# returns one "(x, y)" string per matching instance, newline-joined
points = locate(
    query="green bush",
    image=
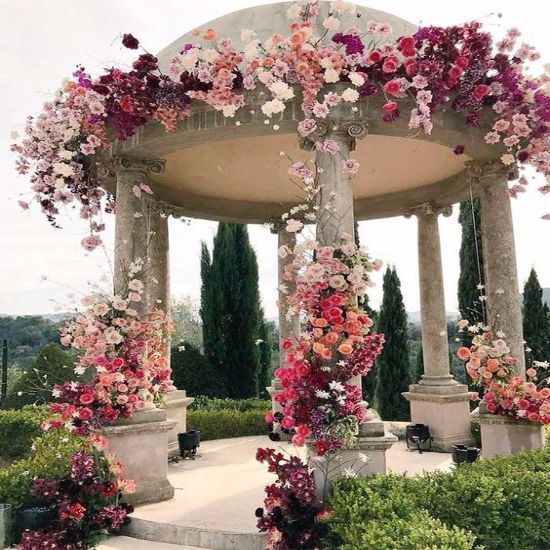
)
(502, 503)
(212, 403)
(50, 458)
(225, 423)
(18, 428)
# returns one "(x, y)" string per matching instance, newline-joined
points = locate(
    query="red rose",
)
(390, 106)
(375, 56)
(480, 91)
(462, 61)
(392, 87)
(130, 41)
(85, 413)
(455, 72)
(86, 398)
(406, 43)
(389, 66)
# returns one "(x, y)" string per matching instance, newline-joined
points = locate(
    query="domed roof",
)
(269, 19)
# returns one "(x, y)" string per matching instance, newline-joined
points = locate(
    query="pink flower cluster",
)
(490, 365)
(126, 354)
(317, 397)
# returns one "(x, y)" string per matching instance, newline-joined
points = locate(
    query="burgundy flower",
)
(459, 149)
(130, 41)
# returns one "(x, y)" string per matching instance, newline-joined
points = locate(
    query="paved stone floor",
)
(127, 543)
(222, 487)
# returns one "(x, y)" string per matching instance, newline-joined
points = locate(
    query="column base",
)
(176, 403)
(367, 456)
(141, 445)
(501, 435)
(446, 410)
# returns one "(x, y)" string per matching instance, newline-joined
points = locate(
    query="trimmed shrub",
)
(211, 403)
(499, 503)
(50, 458)
(225, 423)
(18, 428)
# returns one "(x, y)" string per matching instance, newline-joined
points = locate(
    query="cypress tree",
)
(536, 323)
(470, 277)
(234, 311)
(393, 363)
(265, 345)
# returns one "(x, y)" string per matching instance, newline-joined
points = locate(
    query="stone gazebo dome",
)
(212, 165)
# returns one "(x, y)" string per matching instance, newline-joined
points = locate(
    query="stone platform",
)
(216, 495)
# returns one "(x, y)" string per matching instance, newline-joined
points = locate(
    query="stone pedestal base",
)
(141, 445)
(275, 407)
(366, 457)
(446, 410)
(176, 403)
(505, 436)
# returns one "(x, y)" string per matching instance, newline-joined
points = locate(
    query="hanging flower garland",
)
(489, 364)
(458, 67)
(336, 345)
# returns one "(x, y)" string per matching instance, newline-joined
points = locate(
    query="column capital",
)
(427, 209)
(350, 130)
(137, 165)
(485, 173)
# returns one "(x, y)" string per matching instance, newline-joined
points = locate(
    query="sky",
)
(43, 41)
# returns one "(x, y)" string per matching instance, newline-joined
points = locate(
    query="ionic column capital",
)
(427, 209)
(485, 173)
(137, 165)
(350, 130)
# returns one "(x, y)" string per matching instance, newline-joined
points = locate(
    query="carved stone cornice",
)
(427, 209)
(350, 130)
(484, 173)
(144, 166)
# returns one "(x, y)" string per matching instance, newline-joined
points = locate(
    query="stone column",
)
(158, 297)
(437, 400)
(501, 435)
(140, 442)
(335, 221)
(288, 327)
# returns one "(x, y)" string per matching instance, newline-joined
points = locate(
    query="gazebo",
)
(235, 169)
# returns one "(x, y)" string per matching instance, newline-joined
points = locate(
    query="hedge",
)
(50, 458)
(213, 403)
(19, 427)
(225, 423)
(497, 504)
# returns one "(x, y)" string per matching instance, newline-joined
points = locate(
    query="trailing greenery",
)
(51, 366)
(471, 273)
(18, 428)
(50, 458)
(230, 310)
(191, 371)
(536, 319)
(226, 423)
(393, 363)
(496, 504)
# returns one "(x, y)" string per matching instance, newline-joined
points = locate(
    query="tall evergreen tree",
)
(536, 323)
(265, 346)
(471, 273)
(393, 363)
(232, 310)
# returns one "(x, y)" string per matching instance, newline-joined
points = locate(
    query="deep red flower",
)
(130, 41)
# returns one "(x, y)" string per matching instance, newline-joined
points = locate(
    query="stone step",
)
(128, 543)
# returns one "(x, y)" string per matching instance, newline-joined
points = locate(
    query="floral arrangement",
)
(293, 517)
(123, 358)
(458, 67)
(318, 400)
(87, 501)
(491, 367)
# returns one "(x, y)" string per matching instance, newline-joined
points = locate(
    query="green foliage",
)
(225, 423)
(393, 362)
(265, 346)
(502, 502)
(51, 366)
(230, 310)
(214, 404)
(191, 371)
(18, 428)
(50, 458)
(26, 335)
(536, 319)
(471, 274)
